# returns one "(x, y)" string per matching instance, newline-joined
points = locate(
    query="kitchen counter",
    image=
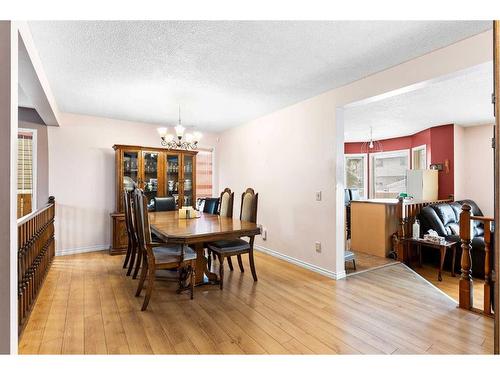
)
(373, 222)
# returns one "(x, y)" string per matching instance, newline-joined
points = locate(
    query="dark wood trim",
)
(465, 296)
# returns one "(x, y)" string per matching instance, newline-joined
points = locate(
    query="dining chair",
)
(131, 235)
(164, 204)
(225, 210)
(211, 206)
(160, 257)
(227, 248)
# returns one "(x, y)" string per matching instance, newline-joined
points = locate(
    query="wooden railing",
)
(466, 288)
(35, 253)
(407, 212)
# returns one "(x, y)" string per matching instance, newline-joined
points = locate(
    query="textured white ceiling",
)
(464, 100)
(222, 73)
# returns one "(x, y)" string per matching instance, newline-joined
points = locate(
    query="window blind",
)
(204, 174)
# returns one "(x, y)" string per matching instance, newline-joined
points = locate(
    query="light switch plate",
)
(318, 246)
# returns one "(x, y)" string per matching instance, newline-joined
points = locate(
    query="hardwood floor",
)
(365, 262)
(87, 305)
(449, 285)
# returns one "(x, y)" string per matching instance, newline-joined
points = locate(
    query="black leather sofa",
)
(444, 218)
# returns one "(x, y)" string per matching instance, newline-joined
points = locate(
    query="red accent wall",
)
(442, 146)
(439, 146)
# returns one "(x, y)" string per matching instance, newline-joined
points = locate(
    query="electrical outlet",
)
(318, 195)
(263, 232)
(318, 246)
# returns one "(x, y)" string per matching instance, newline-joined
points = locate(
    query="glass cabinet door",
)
(188, 180)
(130, 169)
(173, 171)
(150, 172)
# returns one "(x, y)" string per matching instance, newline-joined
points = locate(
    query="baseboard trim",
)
(300, 263)
(81, 250)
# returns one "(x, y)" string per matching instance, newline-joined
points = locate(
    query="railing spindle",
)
(36, 250)
(465, 296)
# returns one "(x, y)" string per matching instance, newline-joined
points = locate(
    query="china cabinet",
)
(159, 172)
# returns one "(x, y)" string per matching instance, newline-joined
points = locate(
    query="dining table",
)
(169, 227)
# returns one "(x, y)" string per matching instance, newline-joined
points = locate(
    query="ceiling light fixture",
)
(371, 146)
(187, 141)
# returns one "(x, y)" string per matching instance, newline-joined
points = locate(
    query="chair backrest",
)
(226, 203)
(164, 204)
(143, 228)
(142, 223)
(355, 194)
(249, 201)
(127, 209)
(347, 197)
(211, 206)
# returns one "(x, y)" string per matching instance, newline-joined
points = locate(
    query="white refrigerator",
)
(422, 184)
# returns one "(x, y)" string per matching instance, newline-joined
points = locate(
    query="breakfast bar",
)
(373, 222)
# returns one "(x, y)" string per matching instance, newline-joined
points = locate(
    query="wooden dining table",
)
(194, 232)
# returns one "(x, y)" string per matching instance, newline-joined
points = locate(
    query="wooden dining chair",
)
(226, 203)
(227, 248)
(164, 257)
(131, 235)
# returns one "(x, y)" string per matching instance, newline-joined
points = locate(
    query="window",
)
(419, 157)
(204, 174)
(388, 173)
(26, 200)
(356, 173)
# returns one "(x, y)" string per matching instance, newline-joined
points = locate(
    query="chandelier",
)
(371, 146)
(181, 140)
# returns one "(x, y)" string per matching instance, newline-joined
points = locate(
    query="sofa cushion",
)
(430, 220)
(457, 207)
(446, 213)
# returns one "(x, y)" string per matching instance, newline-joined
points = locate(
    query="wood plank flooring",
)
(366, 262)
(449, 284)
(87, 305)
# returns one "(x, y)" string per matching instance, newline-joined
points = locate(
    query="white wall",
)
(475, 177)
(286, 157)
(82, 175)
(289, 155)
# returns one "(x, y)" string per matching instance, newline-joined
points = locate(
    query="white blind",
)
(25, 162)
(204, 174)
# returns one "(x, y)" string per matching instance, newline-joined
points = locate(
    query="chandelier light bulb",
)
(197, 136)
(371, 144)
(162, 132)
(179, 130)
(189, 137)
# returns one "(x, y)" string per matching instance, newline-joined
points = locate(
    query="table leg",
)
(442, 249)
(420, 255)
(454, 249)
(202, 270)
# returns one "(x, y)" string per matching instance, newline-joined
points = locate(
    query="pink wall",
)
(439, 145)
(474, 166)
